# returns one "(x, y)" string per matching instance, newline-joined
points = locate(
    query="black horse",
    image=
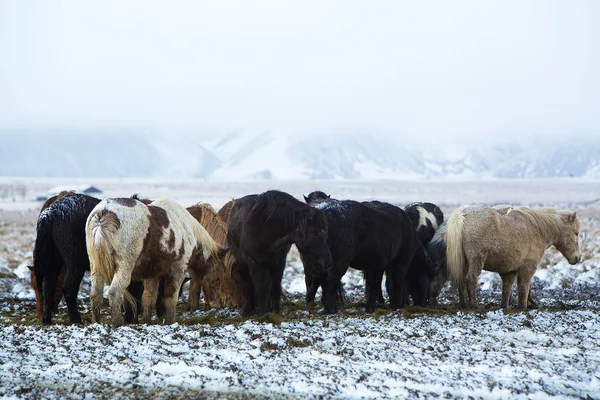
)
(426, 218)
(60, 250)
(420, 270)
(316, 196)
(373, 237)
(262, 229)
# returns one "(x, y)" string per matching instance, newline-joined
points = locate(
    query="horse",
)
(225, 211)
(127, 239)
(60, 257)
(426, 218)
(436, 249)
(262, 229)
(420, 271)
(511, 244)
(374, 237)
(316, 196)
(221, 284)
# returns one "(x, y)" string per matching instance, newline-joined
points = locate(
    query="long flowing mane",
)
(208, 218)
(545, 220)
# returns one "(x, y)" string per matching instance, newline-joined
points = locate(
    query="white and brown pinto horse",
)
(127, 239)
(508, 240)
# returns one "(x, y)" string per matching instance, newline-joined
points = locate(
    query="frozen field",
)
(435, 352)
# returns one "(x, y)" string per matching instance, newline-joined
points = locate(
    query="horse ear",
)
(30, 267)
(328, 196)
(305, 198)
(573, 216)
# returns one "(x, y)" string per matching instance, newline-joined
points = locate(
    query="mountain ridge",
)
(246, 155)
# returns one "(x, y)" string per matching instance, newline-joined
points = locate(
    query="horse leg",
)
(172, 282)
(96, 296)
(136, 289)
(524, 284)
(508, 281)
(48, 288)
(312, 287)
(475, 268)
(277, 276)
(70, 288)
(116, 295)
(531, 301)
(375, 278)
(149, 298)
(462, 295)
(261, 278)
(331, 284)
(195, 289)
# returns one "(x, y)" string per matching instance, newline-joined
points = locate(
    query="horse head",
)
(311, 239)
(568, 240)
(316, 197)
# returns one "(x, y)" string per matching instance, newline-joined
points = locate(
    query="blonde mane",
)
(546, 221)
(208, 218)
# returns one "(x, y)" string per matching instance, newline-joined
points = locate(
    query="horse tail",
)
(44, 254)
(100, 230)
(455, 258)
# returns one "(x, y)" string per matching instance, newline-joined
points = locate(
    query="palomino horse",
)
(127, 239)
(262, 229)
(511, 244)
(219, 280)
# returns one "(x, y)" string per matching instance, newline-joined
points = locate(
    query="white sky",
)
(433, 69)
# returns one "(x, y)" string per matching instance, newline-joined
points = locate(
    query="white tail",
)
(455, 258)
(99, 233)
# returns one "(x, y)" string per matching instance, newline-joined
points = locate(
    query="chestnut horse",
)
(511, 244)
(127, 239)
(218, 281)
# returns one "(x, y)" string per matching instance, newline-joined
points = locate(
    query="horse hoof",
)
(46, 321)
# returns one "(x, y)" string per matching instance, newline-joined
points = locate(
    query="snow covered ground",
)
(435, 352)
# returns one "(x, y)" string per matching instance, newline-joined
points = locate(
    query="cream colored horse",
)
(127, 239)
(508, 240)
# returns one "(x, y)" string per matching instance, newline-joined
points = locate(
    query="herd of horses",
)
(236, 257)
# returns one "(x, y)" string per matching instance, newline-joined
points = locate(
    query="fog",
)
(428, 70)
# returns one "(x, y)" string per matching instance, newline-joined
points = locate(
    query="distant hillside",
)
(256, 155)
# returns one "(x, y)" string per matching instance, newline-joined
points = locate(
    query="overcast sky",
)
(434, 69)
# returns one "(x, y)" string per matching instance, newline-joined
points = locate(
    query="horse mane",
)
(136, 196)
(208, 218)
(225, 212)
(544, 220)
(280, 205)
(440, 234)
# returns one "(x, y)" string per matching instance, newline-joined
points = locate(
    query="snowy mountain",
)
(244, 155)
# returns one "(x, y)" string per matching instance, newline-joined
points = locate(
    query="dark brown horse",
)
(262, 229)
